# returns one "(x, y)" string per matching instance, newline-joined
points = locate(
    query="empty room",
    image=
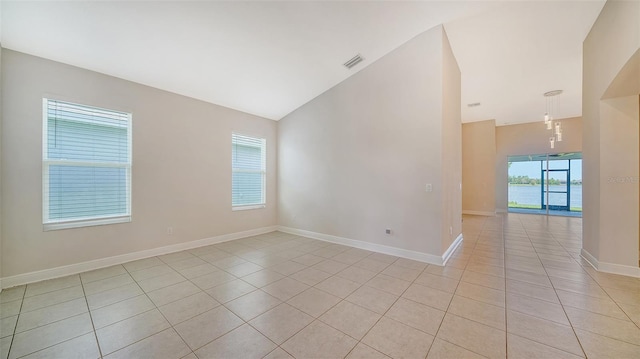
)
(319, 179)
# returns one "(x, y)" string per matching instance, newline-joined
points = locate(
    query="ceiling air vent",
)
(354, 61)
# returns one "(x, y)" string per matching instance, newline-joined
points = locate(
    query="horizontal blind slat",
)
(248, 170)
(87, 163)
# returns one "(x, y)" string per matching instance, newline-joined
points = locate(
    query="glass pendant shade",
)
(552, 101)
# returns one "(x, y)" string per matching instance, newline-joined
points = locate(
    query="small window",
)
(248, 164)
(86, 166)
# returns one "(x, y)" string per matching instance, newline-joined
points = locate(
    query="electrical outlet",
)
(450, 230)
(429, 187)
(387, 231)
(169, 230)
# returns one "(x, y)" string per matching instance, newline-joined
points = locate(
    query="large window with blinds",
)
(248, 165)
(86, 166)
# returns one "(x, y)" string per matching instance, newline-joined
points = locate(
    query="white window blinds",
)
(248, 162)
(86, 166)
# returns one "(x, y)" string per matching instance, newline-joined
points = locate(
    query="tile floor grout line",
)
(341, 300)
(88, 309)
(559, 301)
(221, 304)
(261, 333)
(53, 322)
(118, 301)
(538, 249)
(504, 272)
(53, 345)
(314, 318)
(50, 305)
(588, 311)
(293, 335)
(64, 341)
(435, 336)
(13, 336)
(359, 341)
(506, 311)
(120, 286)
(608, 296)
(156, 308)
(282, 302)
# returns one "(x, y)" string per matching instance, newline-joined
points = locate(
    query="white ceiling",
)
(269, 58)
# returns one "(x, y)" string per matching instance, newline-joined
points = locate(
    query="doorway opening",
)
(546, 184)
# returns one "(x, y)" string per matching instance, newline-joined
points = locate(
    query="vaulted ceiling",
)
(269, 58)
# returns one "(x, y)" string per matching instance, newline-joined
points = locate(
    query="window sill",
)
(85, 223)
(245, 208)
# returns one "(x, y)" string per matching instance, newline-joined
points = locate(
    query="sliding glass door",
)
(543, 183)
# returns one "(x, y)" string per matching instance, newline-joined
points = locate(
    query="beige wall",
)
(1, 107)
(478, 163)
(619, 181)
(451, 146)
(355, 160)
(628, 79)
(529, 139)
(609, 46)
(181, 173)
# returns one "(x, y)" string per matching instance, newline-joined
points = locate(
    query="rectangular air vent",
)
(475, 104)
(354, 61)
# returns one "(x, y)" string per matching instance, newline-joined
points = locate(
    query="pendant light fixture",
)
(552, 108)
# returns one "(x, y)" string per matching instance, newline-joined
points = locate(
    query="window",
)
(86, 166)
(248, 163)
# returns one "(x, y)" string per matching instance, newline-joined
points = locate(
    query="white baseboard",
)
(452, 248)
(589, 258)
(51, 273)
(479, 213)
(619, 269)
(612, 268)
(380, 248)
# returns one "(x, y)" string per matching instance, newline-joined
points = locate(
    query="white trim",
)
(45, 154)
(589, 258)
(85, 223)
(244, 208)
(380, 248)
(87, 164)
(51, 273)
(619, 269)
(452, 248)
(262, 171)
(609, 267)
(479, 213)
(49, 225)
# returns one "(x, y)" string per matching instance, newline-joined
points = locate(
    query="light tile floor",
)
(516, 287)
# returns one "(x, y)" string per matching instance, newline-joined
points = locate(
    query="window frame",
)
(47, 223)
(262, 171)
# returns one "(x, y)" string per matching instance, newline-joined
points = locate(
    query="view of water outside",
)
(526, 189)
(527, 196)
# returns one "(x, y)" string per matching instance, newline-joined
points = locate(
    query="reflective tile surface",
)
(516, 287)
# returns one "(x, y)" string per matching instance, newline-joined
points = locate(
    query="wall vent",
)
(475, 104)
(354, 61)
